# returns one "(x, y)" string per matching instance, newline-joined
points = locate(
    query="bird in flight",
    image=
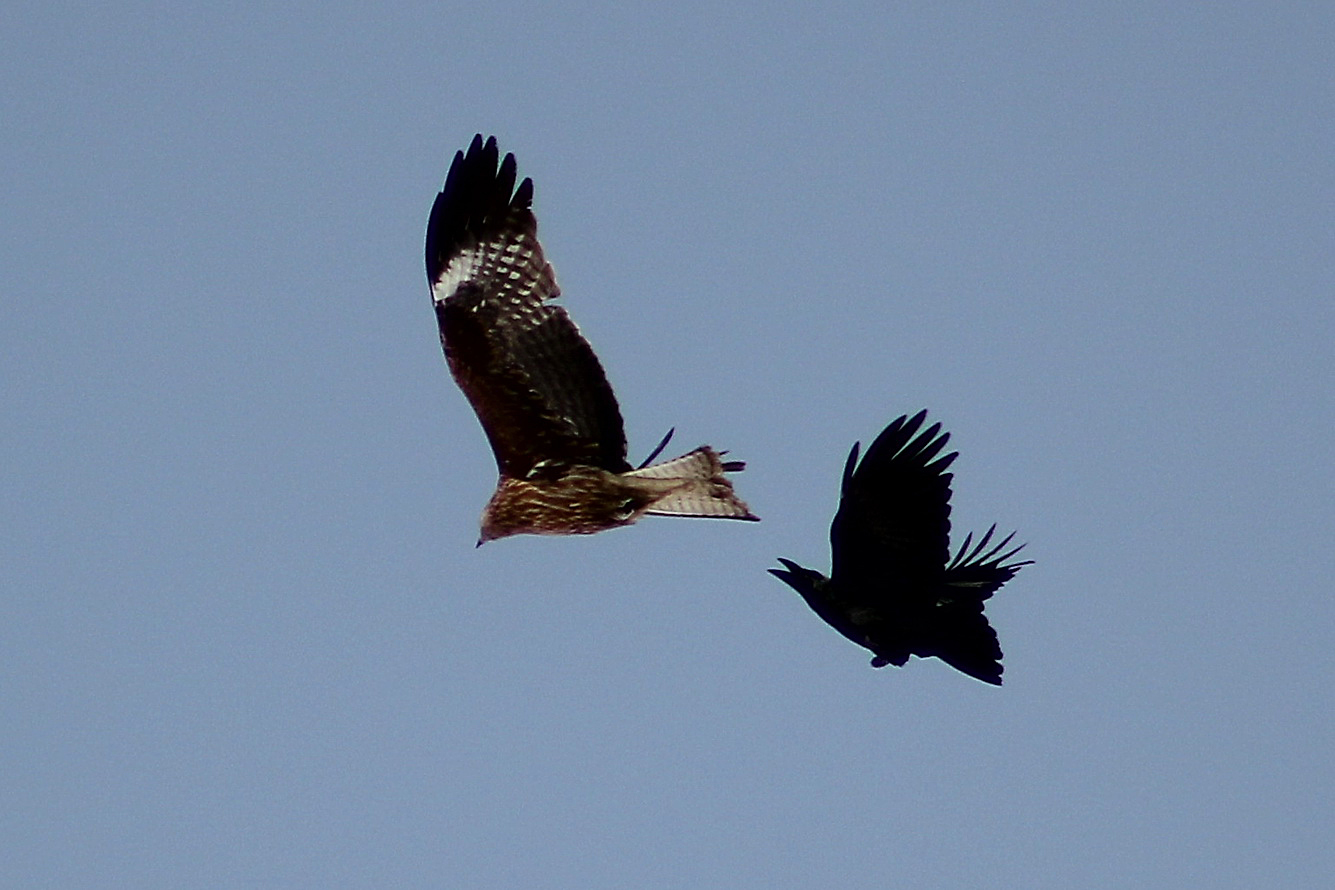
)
(537, 388)
(894, 587)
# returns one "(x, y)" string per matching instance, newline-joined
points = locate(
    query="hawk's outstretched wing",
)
(893, 524)
(538, 389)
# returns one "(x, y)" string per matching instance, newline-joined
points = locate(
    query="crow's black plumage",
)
(894, 587)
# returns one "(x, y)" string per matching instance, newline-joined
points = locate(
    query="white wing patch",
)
(511, 268)
(463, 266)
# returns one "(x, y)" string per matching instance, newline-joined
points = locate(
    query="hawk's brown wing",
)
(533, 380)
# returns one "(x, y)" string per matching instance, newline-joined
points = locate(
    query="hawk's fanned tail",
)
(697, 487)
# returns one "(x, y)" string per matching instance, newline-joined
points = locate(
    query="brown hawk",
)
(538, 389)
(894, 588)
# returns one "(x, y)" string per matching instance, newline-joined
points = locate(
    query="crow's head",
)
(805, 581)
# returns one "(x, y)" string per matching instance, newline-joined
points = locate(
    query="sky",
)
(246, 639)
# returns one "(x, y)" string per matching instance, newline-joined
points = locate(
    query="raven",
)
(894, 587)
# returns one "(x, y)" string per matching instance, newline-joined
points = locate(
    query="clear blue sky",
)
(246, 639)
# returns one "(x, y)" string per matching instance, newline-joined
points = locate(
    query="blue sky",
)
(247, 640)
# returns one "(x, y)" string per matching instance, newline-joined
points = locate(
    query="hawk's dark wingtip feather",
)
(523, 198)
(658, 449)
(476, 192)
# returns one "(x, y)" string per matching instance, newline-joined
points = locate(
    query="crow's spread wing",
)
(537, 387)
(891, 535)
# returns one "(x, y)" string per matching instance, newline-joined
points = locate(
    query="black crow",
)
(894, 587)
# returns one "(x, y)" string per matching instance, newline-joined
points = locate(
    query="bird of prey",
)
(537, 388)
(894, 587)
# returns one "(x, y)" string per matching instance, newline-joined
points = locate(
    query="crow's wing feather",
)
(891, 534)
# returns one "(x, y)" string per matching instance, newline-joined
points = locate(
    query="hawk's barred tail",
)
(696, 486)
